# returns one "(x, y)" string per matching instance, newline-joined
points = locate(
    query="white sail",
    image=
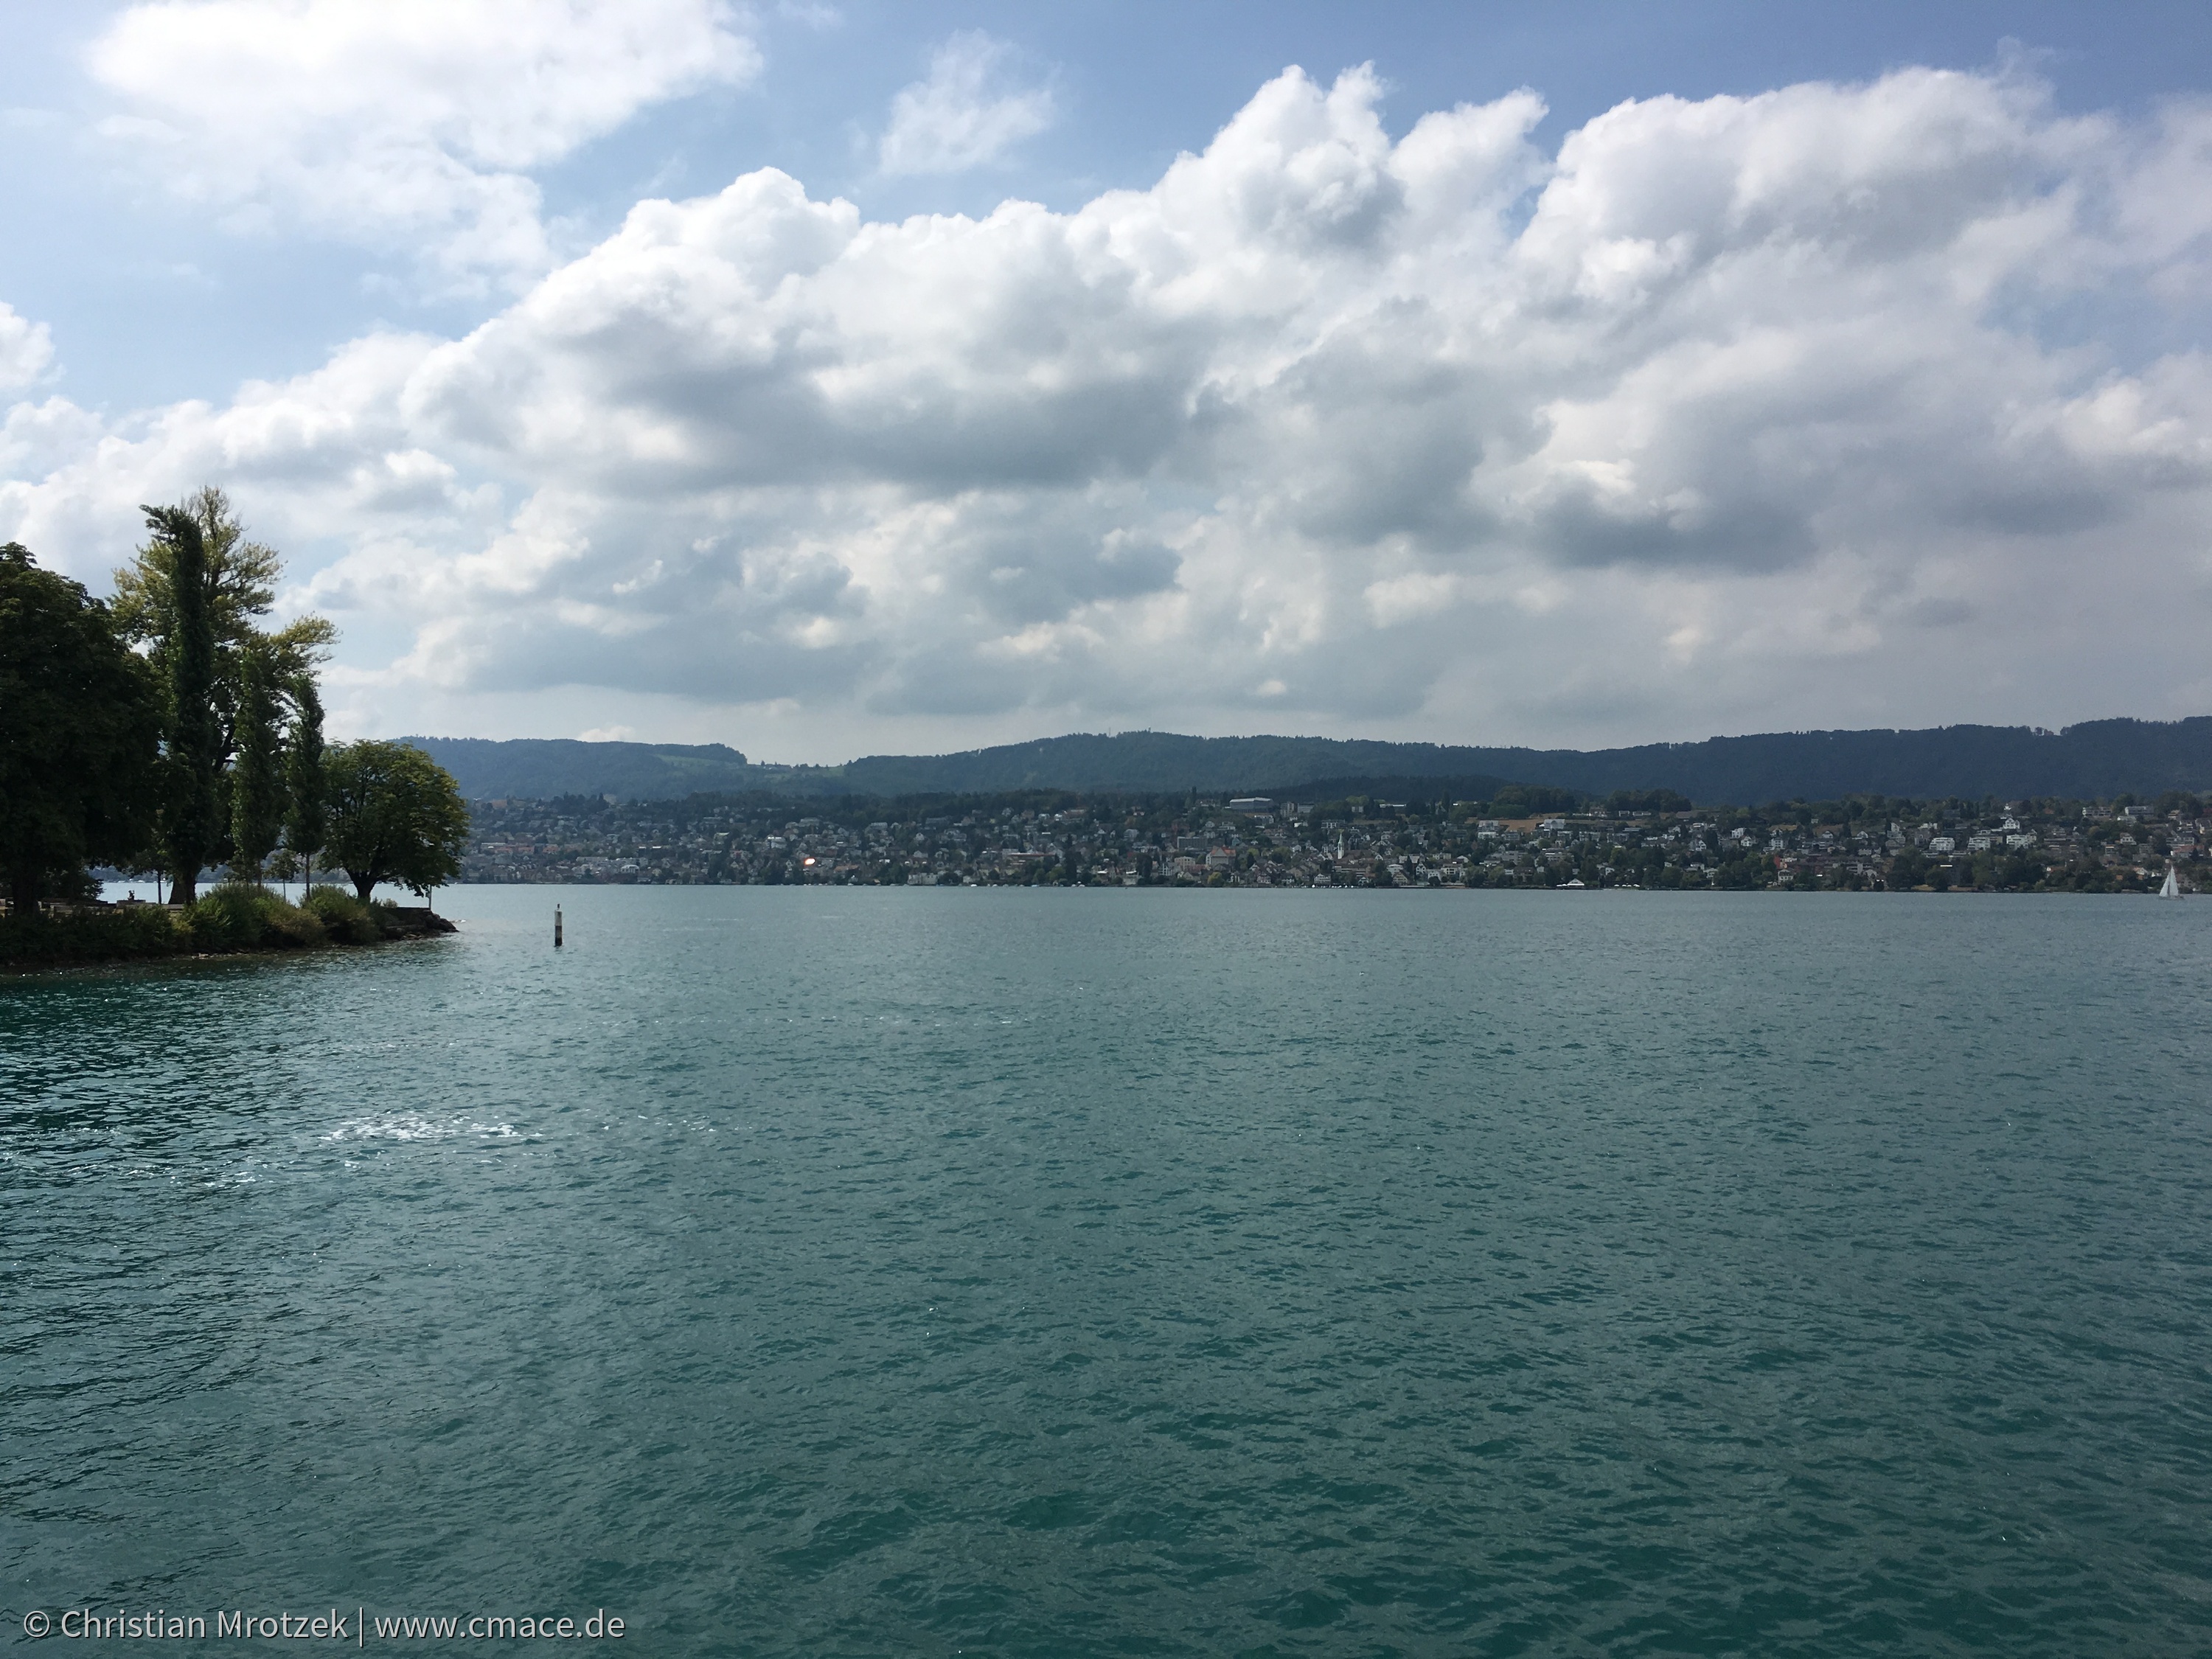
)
(2172, 888)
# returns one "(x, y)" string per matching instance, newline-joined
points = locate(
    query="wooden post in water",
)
(556, 927)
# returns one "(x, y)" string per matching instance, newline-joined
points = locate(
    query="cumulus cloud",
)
(966, 115)
(27, 348)
(409, 123)
(1728, 415)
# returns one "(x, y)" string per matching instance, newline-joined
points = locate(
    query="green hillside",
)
(542, 768)
(2097, 759)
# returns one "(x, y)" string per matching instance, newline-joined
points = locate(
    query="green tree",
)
(257, 783)
(395, 815)
(193, 596)
(238, 581)
(304, 777)
(191, 823)
(79, 730)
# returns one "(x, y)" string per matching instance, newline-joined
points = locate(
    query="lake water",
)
(884, 1272)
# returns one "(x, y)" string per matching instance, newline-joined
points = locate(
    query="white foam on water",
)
(413, 1126)
(408, 1126)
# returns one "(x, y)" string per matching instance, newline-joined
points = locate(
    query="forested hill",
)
(2097, 759)
(2100, 758)
(542, 768)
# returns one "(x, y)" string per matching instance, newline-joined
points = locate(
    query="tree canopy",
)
(238, 580)
(191, 769)
(171, 729)
(257, 790)
(305, 782)
(78, 746)
(394, 815)
(193, 598)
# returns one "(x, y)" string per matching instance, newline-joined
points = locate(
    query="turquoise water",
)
(873, 1271)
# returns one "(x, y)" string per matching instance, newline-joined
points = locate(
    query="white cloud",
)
(408, 123)
(965, 114)
(27, 348)
(1731, 414)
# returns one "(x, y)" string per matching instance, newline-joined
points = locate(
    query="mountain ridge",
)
(2093, 759)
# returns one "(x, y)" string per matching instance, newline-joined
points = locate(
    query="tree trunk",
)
(186, 888)
(363, 885)
(23, 891)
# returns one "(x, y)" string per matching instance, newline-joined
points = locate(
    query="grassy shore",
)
(234, 917)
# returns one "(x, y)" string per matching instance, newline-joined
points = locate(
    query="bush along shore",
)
(232, 919)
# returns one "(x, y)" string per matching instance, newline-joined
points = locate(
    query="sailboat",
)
(2172, 888)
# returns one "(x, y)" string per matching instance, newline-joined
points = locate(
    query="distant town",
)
(1524, 837)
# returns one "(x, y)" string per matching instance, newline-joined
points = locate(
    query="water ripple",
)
(1069, 1273)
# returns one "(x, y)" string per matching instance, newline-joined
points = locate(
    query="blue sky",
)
(1811, 389)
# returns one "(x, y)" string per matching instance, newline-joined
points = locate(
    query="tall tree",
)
(305, 829)
(239, 578)
(80, 729)
(192, 823)
(195, 595)
(257, 782)
(395, 815)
